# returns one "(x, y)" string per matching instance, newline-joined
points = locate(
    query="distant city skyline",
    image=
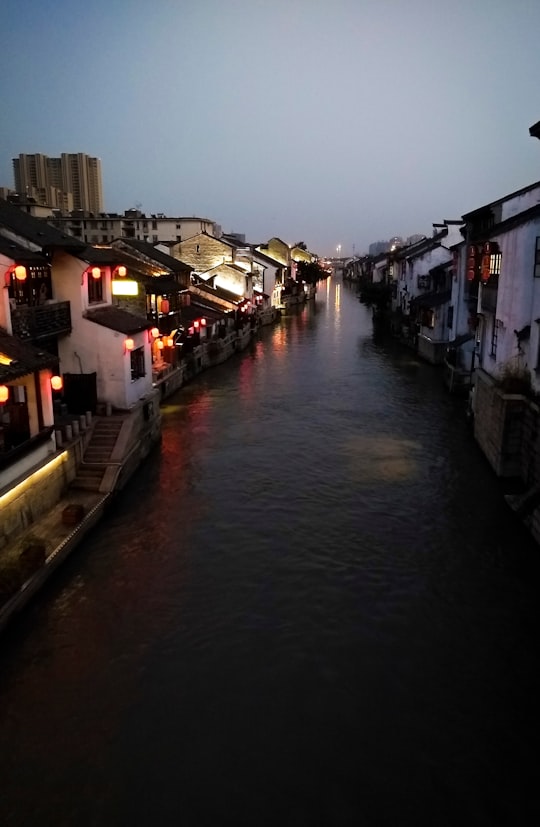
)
(71, 181)
(338, 123)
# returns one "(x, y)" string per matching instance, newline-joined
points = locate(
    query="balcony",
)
(41, 322)
(166, 323)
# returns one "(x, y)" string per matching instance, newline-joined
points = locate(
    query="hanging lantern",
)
(196, 324)
(486, 267)
(165, 305)
(154, 333)
(96, 273)
(120, 270)
(57, 383)
(203, 322)
(20, 272)
(170, 342)
(472, 263)
(4, 394)
(129, 344)
(160, 344)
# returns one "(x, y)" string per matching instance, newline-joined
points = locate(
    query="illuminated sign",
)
(125, 288)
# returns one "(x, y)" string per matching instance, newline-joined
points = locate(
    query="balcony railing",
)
(42, 321)
(10, 454)
(165, 323)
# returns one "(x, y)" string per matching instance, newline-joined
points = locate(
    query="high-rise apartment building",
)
(72, 181)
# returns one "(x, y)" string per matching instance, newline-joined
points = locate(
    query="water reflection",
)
(311, 607)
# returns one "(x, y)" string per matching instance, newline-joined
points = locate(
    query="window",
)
(95, 289)
(137, 363)
(450, 316)
(494, 337)
(427, 317)
(495, 264)
(537, 259)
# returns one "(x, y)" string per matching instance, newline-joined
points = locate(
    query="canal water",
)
(312, 606)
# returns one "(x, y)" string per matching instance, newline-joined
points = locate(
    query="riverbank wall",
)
(45, 515)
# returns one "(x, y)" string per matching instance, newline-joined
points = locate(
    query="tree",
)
(310, 272)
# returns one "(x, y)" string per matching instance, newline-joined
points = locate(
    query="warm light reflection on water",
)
(382, 459)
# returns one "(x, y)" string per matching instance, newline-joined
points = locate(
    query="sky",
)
(333, 122)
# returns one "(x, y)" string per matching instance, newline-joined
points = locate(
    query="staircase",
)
(98, 453)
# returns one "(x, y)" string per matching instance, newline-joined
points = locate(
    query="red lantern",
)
(486, 261)
(57, 383)
(120, 271)
(160, 344)
(96, 273)
(129, 344)
(4, 394)
(154, 333)
(203, 322)
(165, 305)
(20, 272)
(196, 324)
(472, 263)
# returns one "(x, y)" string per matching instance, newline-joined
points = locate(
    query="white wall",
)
(93, 348)
(518, 304)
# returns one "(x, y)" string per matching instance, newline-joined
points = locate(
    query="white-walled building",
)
(503, 261)
(102, 228)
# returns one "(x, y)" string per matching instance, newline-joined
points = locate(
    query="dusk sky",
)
(327, 121)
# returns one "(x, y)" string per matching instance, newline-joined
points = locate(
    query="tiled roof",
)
(25, 358)
(206, 303)
(19, 254)
(162, 284)
(36, 230)
(466, 216)
(100, 255)
(195, 311)
(227, 295)
(117, 319)
(219, 267)
(148, 250)
(257, 254)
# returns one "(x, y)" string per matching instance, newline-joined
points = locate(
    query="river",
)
(311, 606)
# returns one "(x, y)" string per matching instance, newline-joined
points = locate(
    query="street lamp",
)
(338, 250)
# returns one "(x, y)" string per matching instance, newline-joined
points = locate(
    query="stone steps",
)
(97, 454)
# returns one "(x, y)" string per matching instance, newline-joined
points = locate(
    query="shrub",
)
(515, 379)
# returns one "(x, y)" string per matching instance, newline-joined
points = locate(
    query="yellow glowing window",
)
(124, 287)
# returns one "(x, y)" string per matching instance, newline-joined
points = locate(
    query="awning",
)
(460, 340)
(434, 299)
